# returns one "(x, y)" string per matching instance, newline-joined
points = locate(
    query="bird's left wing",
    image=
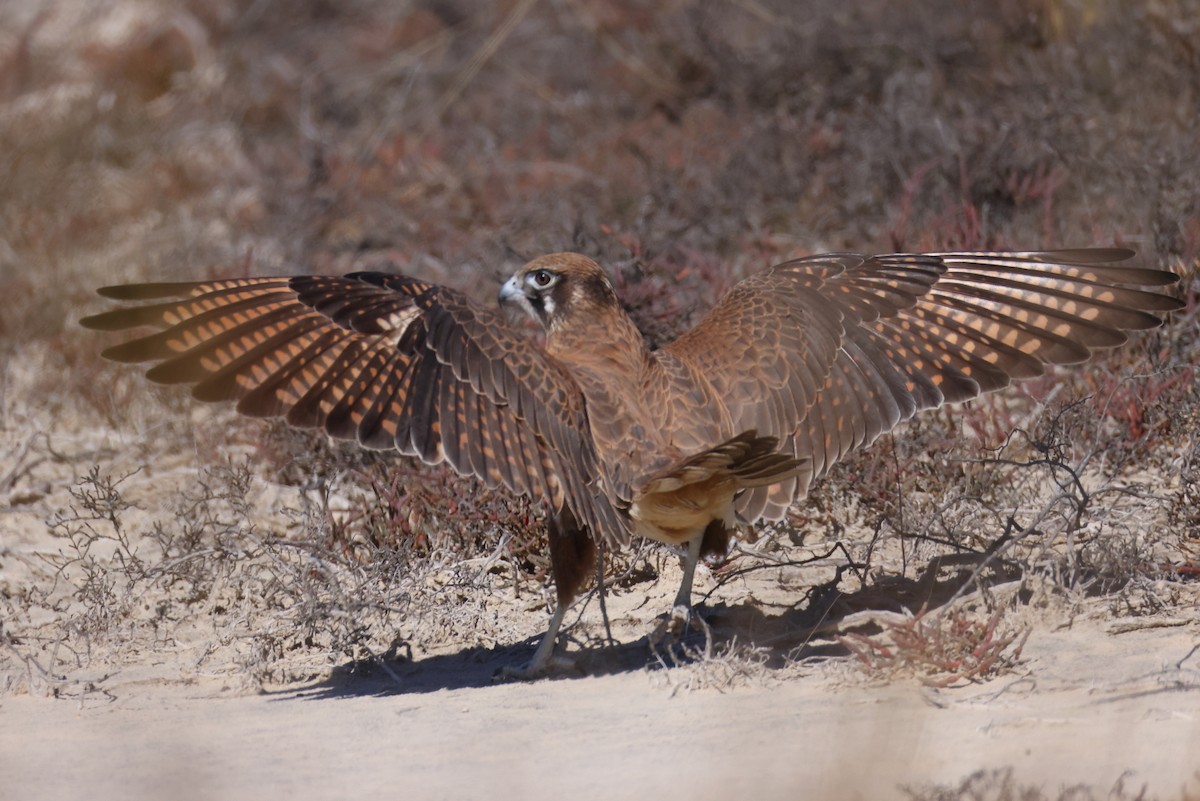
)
(385, 359)
(828, 352)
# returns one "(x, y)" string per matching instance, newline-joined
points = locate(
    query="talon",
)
(675, 625)
(555, 663)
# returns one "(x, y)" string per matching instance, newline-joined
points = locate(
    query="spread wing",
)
(385, 359)
(827, 353)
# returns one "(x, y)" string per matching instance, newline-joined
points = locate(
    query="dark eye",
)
(542, 278)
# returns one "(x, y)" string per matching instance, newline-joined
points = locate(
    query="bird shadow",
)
(468, 668)
(805, 631)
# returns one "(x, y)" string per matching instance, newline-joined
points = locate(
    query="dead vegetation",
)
(940, 649)
(999, 785)
(680, 147)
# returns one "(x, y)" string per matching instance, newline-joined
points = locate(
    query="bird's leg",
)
(544, 659)
(712, 539)
(572, 557)
(681, 617)
(684, 596)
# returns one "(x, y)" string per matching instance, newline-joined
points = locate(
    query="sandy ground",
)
(1090, 707)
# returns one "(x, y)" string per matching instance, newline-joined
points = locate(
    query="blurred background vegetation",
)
(691, 140)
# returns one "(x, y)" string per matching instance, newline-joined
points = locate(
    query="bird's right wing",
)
(385, 359)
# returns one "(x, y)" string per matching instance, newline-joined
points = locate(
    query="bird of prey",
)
(728, 424)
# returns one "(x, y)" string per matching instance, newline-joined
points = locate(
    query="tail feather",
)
(751, 460)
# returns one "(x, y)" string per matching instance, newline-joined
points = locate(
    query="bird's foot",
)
(537, 668)
(669, 638)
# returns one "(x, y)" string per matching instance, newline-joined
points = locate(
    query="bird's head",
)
(557, 288)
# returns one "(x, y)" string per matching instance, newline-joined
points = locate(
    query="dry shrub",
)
(203, 577)
(378, 499)
(941, 648)
(1000, 785)
(726, 666)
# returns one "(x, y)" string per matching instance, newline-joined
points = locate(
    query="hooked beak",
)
(511, 292)
(515, 302)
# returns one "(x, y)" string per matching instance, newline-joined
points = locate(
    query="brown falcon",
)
(730, 423)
